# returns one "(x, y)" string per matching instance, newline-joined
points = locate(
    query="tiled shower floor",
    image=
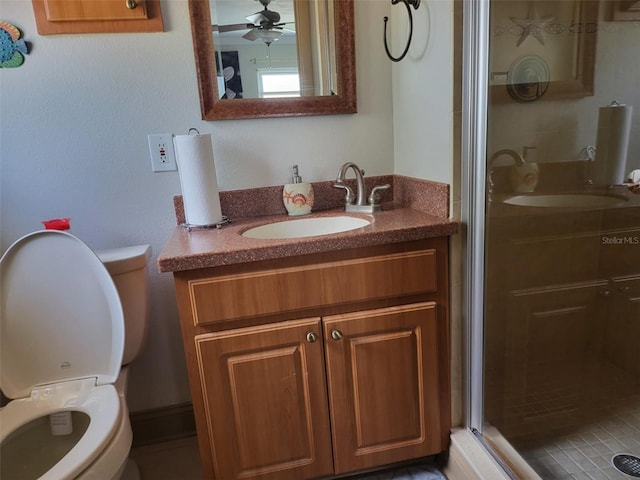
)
(599, 417)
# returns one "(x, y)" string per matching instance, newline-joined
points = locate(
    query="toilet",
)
(71, 321)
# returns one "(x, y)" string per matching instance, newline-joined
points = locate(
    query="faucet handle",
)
(374, 196)
(350, 196)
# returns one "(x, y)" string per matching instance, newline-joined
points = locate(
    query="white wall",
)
(75, 119)
(423, 91)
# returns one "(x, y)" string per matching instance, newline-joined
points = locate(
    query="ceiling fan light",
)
(268, 36)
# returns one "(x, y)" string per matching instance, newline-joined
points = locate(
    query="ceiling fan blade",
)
(280, 25)
(251, 35)
(232, 27)
(265, 16)
(257, 18)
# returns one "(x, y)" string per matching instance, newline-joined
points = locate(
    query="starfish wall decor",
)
(531, 25)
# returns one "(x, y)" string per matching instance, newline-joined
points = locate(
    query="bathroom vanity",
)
(317, 356)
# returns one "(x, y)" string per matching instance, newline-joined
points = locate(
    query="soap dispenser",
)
(633, 181)
(297, 196)
(524, 177)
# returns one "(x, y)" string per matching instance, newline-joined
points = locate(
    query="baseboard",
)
(469, 461)
(162, 424)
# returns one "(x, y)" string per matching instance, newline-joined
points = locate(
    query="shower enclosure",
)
(553, 128)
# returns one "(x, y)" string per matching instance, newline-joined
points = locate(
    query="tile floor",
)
(174, 460)
(179, 460)
(601, 418)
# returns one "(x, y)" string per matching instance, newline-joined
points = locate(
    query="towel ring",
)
(408, 4)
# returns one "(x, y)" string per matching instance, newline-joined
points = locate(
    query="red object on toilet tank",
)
(57, 224)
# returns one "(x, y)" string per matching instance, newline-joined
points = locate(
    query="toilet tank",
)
(128, 268)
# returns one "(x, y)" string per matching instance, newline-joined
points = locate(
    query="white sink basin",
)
(575, 200)
(306, 227)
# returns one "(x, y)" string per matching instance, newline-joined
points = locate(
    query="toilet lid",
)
(60, 317)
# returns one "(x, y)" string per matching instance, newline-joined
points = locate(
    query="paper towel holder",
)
(218, 225)
(225, 220)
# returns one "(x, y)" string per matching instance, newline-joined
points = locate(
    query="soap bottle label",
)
(298, 198)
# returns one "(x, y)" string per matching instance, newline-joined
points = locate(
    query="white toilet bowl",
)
(61, 350)
(29, 449)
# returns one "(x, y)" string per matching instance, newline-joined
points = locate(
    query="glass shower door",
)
(562, 237)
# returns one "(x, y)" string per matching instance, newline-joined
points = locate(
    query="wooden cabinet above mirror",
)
(324, 51)
(97, 16)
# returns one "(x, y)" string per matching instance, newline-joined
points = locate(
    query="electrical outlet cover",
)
(163, 156)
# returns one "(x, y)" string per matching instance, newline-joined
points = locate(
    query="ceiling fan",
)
(265, 25)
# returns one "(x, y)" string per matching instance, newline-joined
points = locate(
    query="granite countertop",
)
(418, 209)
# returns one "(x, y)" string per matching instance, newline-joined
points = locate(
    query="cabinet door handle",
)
(311, 337)
(336, 334)
(131, 4)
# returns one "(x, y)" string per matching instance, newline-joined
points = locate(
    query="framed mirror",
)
(318, 34)
(542, 50)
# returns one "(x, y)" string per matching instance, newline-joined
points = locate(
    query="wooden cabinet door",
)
(548, 351)
(622, 327)
(76, 10)
(382, 375)
(97, 16)
(266, 402)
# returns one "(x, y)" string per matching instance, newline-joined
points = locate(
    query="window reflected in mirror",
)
(278, 83)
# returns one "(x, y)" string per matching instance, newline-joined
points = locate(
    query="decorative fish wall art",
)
(12, 47)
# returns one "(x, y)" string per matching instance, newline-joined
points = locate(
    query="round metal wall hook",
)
(408, 3)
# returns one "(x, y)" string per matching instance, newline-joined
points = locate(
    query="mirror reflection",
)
(274, 48)
(324, 52)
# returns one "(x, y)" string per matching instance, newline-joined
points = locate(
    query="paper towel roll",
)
(194, 155)
(612, 142)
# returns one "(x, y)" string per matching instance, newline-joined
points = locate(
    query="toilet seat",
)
(61, 341)
(100, 403)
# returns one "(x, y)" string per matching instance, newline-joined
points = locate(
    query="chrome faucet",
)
(362, 203)
(517, 158)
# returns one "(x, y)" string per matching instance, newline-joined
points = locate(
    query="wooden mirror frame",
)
(214, 108)
(583, 61)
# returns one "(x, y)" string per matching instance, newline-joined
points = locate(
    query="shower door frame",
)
(475, 85)
(475, 96)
